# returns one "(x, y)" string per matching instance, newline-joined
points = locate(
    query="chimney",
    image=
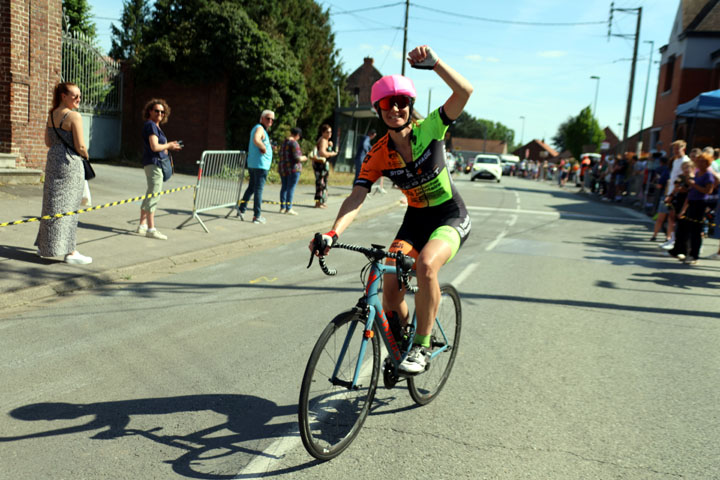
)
(368, 61)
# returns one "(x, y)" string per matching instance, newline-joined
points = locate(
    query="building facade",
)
(30, 64)
(690, 65)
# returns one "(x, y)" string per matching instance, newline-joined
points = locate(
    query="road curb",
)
(234, 249)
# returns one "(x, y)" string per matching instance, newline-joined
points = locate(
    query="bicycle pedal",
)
(390, 378)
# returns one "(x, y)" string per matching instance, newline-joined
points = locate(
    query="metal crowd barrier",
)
(219, 183)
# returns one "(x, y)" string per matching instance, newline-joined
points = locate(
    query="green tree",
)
(278, 55)
(128, 39)
(199, 41)
(467, 126)
(558, 140)
(79, 17)
(305, 28)
(581, 132)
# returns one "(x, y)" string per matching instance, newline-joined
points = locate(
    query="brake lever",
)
(316, 241)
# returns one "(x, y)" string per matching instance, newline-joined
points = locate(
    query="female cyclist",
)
(412, 155)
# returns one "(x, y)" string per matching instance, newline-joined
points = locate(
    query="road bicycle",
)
(343, 371)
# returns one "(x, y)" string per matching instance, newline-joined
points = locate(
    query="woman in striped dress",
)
(64, 177)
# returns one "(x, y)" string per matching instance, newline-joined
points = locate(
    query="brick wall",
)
(687, 84)
(30, 51)
(197, 118)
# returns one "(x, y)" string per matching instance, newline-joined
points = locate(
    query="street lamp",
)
(522, 130)
(597, 87)
(429, 98)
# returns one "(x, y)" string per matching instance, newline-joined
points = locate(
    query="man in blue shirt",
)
(258, 161)
(363, 148)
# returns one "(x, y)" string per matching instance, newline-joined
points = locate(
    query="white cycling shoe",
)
(415, 362)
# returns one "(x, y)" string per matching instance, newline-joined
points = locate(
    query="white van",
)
(507, 162)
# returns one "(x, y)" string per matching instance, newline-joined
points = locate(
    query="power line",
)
(510, 22)
(367, 8)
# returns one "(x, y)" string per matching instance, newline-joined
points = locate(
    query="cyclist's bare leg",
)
(394, 299)
(427, 299)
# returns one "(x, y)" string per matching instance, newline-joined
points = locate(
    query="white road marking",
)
(562, 214)
(464, 274)
(275, 452)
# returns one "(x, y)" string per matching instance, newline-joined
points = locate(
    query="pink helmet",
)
(392, 85)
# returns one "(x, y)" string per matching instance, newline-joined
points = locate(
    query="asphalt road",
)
(585, 353)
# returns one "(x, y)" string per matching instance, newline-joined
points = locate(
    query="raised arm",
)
(424, 57)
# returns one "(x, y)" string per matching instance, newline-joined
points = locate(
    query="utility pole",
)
(647, 84)
(638, 12)
(402, 60)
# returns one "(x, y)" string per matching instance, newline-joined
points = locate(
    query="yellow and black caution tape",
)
(96, 207)
(270, 202)
(705, 220)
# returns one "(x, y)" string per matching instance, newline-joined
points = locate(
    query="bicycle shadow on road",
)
(245, 434)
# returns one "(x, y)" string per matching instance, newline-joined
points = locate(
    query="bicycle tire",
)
(425, 386)
(330, 416)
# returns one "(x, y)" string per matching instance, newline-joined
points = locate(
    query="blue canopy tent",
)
(704, 106)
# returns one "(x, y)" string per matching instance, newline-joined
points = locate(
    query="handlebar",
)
(376, 253)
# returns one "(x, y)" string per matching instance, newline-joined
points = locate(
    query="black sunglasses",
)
(401, 101)
(161, 112)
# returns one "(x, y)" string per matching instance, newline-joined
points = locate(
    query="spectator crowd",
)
(679, 190)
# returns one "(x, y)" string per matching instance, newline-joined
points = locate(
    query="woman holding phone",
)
(155, 149)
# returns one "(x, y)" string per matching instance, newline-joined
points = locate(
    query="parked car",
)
(486, 165)
(508, 161)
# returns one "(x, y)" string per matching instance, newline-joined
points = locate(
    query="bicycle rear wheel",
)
(444, 340)
(332, 412)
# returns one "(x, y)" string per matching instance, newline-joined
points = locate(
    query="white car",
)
(486, 166)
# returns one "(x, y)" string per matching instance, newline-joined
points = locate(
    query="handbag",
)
(166, 164)
(314, 154)
(89, 172)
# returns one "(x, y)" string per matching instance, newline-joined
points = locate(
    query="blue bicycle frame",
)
(376, 313)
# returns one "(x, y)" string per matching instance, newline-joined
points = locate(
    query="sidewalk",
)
(108, 234)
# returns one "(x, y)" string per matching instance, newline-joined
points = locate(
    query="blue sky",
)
(518, 69)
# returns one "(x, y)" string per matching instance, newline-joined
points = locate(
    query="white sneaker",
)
(142, 229)
(669, 245)
(415, 362)
(282, 210)
(291, 212)
(156, 235)
(77, 259)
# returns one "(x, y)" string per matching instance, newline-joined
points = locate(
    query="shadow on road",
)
(207, 451)
(585, 304)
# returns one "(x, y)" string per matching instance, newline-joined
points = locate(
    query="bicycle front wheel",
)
(444, 340)
(332, 411)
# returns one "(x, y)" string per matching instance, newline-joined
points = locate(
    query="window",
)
(669, 71)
